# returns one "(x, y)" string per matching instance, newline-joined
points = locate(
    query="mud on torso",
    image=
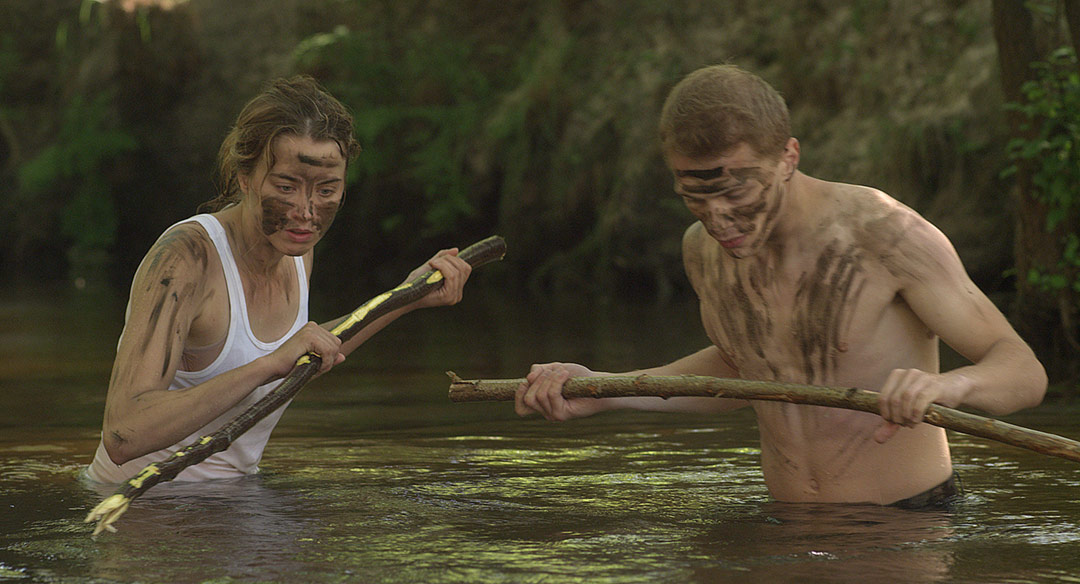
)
(829, 312)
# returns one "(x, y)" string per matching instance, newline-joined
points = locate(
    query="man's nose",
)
(720, 212)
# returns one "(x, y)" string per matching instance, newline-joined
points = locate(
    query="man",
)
(807, 281)
(218, 307)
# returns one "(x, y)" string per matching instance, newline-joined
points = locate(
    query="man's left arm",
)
(1005, 375)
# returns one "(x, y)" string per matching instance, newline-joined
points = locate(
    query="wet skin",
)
(807, 281)
(815, 303)
(180, 313)
(739, 199)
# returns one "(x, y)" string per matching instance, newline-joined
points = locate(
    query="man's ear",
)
(244, 181)
(790, 158)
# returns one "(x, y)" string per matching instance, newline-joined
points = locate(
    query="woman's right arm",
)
(168, 294)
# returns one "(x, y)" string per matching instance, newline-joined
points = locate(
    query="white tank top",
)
(241, 347)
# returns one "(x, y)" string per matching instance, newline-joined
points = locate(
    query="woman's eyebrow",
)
(284, 176)
(314, 161)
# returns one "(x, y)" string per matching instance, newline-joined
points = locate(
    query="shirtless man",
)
(218, 307)
(807, 281)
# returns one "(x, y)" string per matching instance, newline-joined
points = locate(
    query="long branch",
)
(836, 397)
(109, 510)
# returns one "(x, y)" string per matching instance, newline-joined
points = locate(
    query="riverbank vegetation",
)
(533, 120)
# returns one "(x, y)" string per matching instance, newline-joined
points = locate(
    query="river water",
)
(374, 476)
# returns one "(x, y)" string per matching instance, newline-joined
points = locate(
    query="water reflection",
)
(373, 476)
(860, 543)
(445, 506)
(620, 501)
(239, 528)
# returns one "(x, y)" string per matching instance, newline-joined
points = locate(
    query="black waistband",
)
(936, 498)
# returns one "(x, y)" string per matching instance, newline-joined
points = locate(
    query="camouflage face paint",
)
(710, 174)
(275, 214)
(303, 189)
(320, 162)
(746, 216)
(323, 214)
(732, 204)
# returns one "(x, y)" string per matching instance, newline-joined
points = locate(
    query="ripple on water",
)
(656, 504)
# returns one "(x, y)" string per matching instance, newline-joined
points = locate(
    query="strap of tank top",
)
(237, 318)
(301, 277)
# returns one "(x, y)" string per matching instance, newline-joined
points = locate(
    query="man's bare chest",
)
(802, 325)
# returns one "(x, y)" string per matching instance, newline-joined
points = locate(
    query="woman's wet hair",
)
(296, 106)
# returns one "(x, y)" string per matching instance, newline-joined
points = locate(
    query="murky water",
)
(374, 476)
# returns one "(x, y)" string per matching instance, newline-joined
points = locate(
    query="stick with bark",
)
(109, 510)
(836, 397)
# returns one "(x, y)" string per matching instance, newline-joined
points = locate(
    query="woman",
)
(218, 307)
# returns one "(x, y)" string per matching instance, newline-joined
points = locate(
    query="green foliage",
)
(64, 141)
(71, 169)
(1052, 149)
(418, 101)
(505, 119)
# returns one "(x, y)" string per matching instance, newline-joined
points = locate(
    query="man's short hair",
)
(714, 109)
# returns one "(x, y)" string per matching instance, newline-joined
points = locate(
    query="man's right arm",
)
(541, 392)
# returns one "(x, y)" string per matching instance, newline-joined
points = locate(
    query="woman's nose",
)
(303, 207)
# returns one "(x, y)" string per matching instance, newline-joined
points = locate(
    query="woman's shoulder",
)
(184, 252)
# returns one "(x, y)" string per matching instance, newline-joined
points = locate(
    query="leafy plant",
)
(71, 168)
(1053, 149)
(417, 101)
(1051, 152)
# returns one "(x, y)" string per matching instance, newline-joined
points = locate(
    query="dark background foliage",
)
(531, 119)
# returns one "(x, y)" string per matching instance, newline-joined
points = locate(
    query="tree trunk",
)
(1036, 313)
(1072, 17)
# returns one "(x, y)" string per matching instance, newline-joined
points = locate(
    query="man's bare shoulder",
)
(693, 235)
(888, 230)
(867, 213)
(857, 205)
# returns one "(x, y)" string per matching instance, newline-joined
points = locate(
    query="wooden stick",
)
(109, 510)
(836, 397)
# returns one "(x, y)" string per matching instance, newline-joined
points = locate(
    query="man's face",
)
(735, 196)
(297, 199)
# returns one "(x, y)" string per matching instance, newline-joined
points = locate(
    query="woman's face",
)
(296, 200)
